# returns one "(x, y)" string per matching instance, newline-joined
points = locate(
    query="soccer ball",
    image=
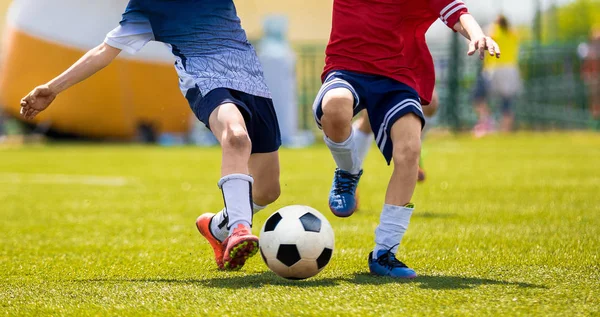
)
(296, 242)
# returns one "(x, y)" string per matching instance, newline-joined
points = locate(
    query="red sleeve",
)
(449, 11)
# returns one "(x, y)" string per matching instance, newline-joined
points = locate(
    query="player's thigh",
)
(264, 168)
(226, 118)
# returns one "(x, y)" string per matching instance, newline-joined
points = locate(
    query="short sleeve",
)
(449, 11)
(130, 36)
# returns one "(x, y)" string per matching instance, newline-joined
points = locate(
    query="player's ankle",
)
(237, 224)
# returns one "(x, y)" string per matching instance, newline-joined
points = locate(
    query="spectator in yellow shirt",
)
(499, 79)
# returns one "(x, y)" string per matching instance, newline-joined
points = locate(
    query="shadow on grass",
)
(432, 215)
(263, 279)
(257, 280)
(438, 282)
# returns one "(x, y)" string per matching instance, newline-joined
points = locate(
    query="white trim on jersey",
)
(449, 6)
(130, 37)
(449, 14)
(450, 9)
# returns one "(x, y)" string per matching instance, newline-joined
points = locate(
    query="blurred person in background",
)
(498, 78)
(279, 60)
(590, 53)
(222, 79)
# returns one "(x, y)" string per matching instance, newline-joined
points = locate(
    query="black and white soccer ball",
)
(296, 242)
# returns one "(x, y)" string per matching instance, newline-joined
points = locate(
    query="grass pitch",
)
(505, 225)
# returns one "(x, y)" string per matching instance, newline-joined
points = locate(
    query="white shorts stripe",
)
(391, 112)
(382, 135)
(325, 88)
(323, 91)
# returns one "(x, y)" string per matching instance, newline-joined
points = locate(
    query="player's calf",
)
(264, 167)
(406, 151)
(267, 197)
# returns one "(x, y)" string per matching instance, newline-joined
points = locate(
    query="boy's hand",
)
(482, 44)
(37, 101)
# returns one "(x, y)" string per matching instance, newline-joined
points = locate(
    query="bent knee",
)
(338, 96)
(338, 103)
(236, 137)
(407, 152)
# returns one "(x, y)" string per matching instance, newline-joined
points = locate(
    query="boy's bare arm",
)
(470, 29)
(42, 96)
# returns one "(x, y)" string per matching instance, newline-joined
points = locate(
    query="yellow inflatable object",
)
(43, 38)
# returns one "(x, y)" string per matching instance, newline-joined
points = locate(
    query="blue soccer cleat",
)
(342, 198)
(386, 264)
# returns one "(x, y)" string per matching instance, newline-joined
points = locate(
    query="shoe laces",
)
(345, 182)
(389, 260)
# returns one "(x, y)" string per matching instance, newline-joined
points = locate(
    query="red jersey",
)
(387, 38)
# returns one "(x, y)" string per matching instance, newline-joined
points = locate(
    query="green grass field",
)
(505, 225)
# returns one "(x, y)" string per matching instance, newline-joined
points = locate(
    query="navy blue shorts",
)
(385, 99)
(259, 115)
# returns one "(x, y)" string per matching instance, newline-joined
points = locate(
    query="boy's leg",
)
(337, 111)
(363, 135)
(508, 116)
(228, 125)
(429, 112)
(264, 168)
(485, 122)
(406, 140)
(262, 131)
(404, 151)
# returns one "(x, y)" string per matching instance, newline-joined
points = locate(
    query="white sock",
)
(218, 223)
(363, 142)
(218, 226)
(345, 154)
(256, 208)
(392, 226)
(237, 195)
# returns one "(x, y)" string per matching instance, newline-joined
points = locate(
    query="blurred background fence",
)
(554, 94)
(559, 38)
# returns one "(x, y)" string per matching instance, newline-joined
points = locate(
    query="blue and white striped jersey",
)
(206, 37)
